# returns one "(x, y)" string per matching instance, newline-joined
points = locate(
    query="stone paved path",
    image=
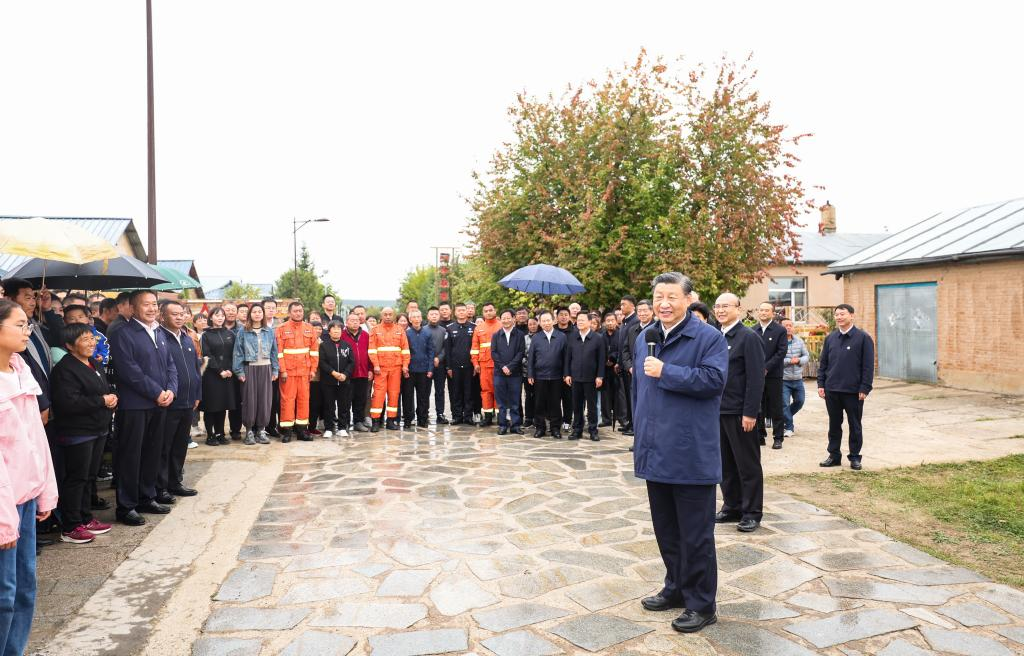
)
(464, 542)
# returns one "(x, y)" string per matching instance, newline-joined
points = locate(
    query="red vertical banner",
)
(443, 294)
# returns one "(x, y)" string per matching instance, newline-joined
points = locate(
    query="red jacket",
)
(360, 352)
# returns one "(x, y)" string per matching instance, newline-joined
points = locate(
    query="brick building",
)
(944, 298)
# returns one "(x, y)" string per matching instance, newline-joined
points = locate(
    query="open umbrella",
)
(117, 272)
(175, 280)
(53, 239)
(543, 279)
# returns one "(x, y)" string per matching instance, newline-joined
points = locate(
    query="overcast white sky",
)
(375, 114)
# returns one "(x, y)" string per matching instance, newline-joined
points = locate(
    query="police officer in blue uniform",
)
(460, 367)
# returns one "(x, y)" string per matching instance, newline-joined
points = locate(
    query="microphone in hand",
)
(654, 337)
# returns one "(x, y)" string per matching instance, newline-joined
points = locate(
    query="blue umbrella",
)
(543, 279)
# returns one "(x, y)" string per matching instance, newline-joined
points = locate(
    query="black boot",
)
(392, 424)
(375, 427)
(304, 435)
(538, 431)
(488, 419)
(286, 436)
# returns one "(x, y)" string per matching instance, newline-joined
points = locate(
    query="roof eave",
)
(958, 257)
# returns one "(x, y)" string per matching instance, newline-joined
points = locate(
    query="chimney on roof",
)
(827, 225)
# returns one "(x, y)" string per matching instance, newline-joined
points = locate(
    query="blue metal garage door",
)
(907, 325)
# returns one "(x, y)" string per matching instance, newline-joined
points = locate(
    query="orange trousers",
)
(294, 401)
(387, 383)
(487, 388)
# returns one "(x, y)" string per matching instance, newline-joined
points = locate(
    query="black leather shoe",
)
(855, 465)
(286, 436)
(305, 436)
(503, 430)
(518, 430)
(165, 498)
(538, 432)
(528, 423)
(747, 525)
(236, 436)
(422, 424)
(557, 434)
(831, 462)
(777, 444)
(212, 441)
(375, 426)
(659, 603)
(692, 621)
(273, 432)
(594, 437)
(575, 435)
(183, 491)
(131, 518)
(722, 517)
(628, 431)
(99, 503)
(153, 508)
(391, 425)
(441, 419)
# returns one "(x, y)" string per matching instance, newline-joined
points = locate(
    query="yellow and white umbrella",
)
(53, 240)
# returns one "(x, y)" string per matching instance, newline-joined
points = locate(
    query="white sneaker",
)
(192, 445)
(328, 434)
(787, 433)
(343, 433)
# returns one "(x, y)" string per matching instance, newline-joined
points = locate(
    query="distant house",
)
(944, 298)
(188, 267)
(796, 288)
(263, 289)
(119, 232)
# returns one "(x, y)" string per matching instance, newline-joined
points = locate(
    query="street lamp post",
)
(296, 226)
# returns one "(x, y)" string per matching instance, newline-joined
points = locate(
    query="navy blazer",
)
(186, 363)
(142, 369)
(847, 362)
(745, 382)
(508, 352)
(546, 360)
(775, 343)
(584, 360)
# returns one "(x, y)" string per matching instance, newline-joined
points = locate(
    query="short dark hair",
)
(76, 297)
(561, 308)
(703, 309)
(457, 305)
(123, 297)
(630, 298)
(542, 313)
(77, 308)
(108, 304)
(327, 296)
(645, 301)
(356, 307)
(441, 305)
(485, 305)
(606, 313)
(433, 307)
(522, 308)
(13, 286)
(170, 301)
(334, 323)
(845, 306)
(269, 299)
(73, 331)
(139, 293)
(293, 304)
(509, 310)
(673, 278)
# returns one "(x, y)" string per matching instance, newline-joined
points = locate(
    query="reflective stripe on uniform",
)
(474, 352)
(280, 355)
(405, 351)
(389, 348)
(287, 424)
(372, 351)
(314, 354)
(296, 351)
(485, 345)
(301, 422)
(390, 408)
(376, 409)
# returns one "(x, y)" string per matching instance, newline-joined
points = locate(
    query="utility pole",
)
(150, 141)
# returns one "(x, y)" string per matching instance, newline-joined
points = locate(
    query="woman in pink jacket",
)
(28, 488)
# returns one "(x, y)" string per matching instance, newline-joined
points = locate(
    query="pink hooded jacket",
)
(26, 471)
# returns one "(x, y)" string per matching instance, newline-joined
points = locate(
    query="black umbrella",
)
(114, 273)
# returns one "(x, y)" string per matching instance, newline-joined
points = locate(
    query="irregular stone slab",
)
(538, 538)
(597, 632)
(738, 555)
(248, 582)
(475, 548)
(406, 582)
(253, 619)
(597, 525)
(528, 586)
(355, 540)
(438, 492)
(270, 533)
(318, 643)
(813, 526)
(496, 568)
(372, 569)
(931, 576)
(837, 561)
(600, 594)
(972, 614)
(854, 625)
(900, 593)
(276, 550)
(587, 559)
(457, 597)
(776, 579)
(757, 609)
(386, 616)
(326, 559)
(822, 603)
(927, 616)
(650, 571)
(609, 537)
(910, 554)
(334, 588)
(1010, 600)
(415, 643)
(513, 617)
(645, 549)
(522, 504)
(1015, 633)
(520, 643)
(613, 506)
(743, 638)
(226, 647)
(411, 554)
(900, 647)
(539, 518)
(962, 642)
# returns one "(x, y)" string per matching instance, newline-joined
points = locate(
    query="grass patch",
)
(971, 514)
(986, 418)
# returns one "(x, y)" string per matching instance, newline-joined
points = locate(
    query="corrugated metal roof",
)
(181, 266)
(971, 233)
(110, 229)
(264, 289)
(817, 248)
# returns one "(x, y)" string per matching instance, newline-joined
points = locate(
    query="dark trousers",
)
(508, 394)
(610, 407)
(684, 525)
(477, 401)
(275, 404)
(407, 400)
(177, 425)
(771, 407)
(461, 391)
(584, 392)
(315, 404)
(421, 386)
(742, 477)
(548, 403)
(626, 384)
(74, 500)
(528, 401)
(235, 416)
(837, 403)
(214, 422)
(440, 376)
(137, 458)
(337, 400)
(566, 397)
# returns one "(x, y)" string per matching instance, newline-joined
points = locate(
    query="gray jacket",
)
(438, 335)
(795, 349)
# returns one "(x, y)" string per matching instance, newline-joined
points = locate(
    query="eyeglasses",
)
(23, 327)
(722, 306)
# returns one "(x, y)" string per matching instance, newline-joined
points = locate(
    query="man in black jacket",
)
(742, 477)
(460, 367)
(846, 370)
(508, 348)
(644, 316)
(178, 420)
(611, 404)
(545, 369)
(775, 343)
(584, 368)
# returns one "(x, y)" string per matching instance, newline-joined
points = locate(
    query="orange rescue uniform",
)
(480, 354)
(298, 353)
(389, 350)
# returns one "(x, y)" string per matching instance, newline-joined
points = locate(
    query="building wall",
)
(980, 319)
(821, 290)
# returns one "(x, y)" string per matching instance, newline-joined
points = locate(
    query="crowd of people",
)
(135, 375)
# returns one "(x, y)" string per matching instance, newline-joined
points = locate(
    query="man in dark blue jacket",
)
(545, 369)
(460, 366)
(742, 476)
(584, 368)
(628, 307)
(147, 382)
(421, 370)
(846, 370)
(178, 421)
(775, 342)
(611, 391)
(508, 347)
(676, 395)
